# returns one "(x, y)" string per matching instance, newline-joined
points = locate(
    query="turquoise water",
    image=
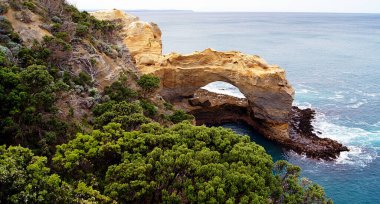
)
(333, 62)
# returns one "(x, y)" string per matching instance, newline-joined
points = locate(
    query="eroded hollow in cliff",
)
(218, 102)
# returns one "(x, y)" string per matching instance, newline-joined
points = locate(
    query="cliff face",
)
(268, 92)
(213, 108)
(140, 37)
(269, 96)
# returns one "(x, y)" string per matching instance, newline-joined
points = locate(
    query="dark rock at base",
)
(304, 140)
(302, 137)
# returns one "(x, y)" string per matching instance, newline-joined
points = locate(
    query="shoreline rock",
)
(269, 96)
(302, 139)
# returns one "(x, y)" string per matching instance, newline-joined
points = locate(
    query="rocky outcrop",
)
(29, 30)
(142, 38)
(268, 92)
(212, 108)
(269, 96)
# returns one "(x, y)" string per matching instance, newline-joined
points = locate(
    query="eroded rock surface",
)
(265, 86)
(142, 38)
(212, 108)
(269, 96)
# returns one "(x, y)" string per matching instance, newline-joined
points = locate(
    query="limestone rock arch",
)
(268, 92)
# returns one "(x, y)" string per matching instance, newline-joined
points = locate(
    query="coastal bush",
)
(83, 79)
(129, 115)
(30, 5)
(149, 108)
(3, 8)
(24, 178)
(182, 163)
(127, 158)
(29, 84)
(149, 82)
(179, 116)
(119, 91)
(82, 30)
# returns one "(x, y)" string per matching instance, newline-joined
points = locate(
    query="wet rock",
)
(302, 137)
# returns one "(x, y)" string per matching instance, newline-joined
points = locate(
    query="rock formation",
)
(268, 94)
(140, 37)
(213, 108)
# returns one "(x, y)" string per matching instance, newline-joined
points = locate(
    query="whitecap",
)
(357, 104)
(224, 88)
(360, 142)
(302, 105)
(337, 96)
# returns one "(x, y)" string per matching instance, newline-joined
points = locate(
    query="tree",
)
(25, 178)
(149, 83)
(179, 116)
(180, 164)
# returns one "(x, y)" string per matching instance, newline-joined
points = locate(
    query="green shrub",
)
(149, 108)
(179, 116)
(56, 44)
(25, 177)
(55, 27)
(62, 35)
(3, 8)
(30, 5)
(130, 115)
(5, 26)
(83, 79)
(181, 163)
(149, 82)
(82, 30)
(168, 106)
(119, 91)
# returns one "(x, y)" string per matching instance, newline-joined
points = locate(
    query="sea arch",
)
(265, 86)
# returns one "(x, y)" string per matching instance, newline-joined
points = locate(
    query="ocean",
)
(332, 61)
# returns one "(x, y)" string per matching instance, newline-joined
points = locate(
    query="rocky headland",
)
(269, 96)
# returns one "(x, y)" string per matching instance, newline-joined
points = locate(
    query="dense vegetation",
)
(131, 148)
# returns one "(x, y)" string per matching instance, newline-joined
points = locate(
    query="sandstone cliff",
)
(269, 96)
(265, 86)
(140, 37)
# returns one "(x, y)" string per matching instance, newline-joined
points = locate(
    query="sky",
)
(336, 6)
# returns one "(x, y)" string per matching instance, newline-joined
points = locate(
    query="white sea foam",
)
(224, 88)
(338, 96)
(357, 104)
(359, 141)
(305, 91)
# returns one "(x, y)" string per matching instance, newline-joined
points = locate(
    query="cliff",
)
(269, 95)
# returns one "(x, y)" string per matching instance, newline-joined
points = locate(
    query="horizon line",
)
(195, 11)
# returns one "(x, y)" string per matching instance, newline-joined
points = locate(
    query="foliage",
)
(82, 30)
(83, 79)
(3, 8)
(149, 82)
(127, 159)
(30, 5)
(292, 191)
(179, 116)
(130, 115)
(149, 108)
(24, 178)
(28, 86)
(191, 164)
(119, 91)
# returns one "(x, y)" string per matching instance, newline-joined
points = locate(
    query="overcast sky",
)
(340, 6)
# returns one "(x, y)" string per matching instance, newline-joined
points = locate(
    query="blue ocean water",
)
(333, 62)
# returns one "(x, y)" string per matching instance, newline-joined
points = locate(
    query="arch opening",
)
(225, 88)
